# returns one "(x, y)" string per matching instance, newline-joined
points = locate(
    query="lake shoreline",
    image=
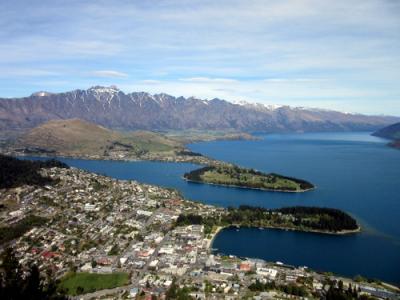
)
(238, 227)
(248, 188)
(282, 228)
(338, 153)
(111, 159)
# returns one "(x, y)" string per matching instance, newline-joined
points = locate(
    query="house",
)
(133, 292)
(90, 207)
(267, 272)
(86, 267)
(245, 267)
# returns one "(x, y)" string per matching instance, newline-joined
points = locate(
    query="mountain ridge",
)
(112, 108)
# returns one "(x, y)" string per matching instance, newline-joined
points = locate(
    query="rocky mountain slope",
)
(110, 107)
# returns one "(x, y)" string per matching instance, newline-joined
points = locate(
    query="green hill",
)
(75, 137)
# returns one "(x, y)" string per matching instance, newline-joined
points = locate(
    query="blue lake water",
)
(353, 171)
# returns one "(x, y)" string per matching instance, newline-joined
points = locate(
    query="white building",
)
(267, 272)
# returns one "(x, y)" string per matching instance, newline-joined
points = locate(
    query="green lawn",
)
(244, 178)
(82, 283)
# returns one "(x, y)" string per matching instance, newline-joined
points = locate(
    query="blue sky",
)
(342, 55)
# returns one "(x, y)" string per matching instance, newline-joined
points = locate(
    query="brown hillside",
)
(75, 136)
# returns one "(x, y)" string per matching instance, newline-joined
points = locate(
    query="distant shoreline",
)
(48, 156)
(341, 232)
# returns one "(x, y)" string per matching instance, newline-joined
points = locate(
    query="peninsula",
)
(231, 175)
(300, 218)
(392, 133)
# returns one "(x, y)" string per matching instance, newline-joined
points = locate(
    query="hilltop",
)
(78, 138)
(112, 108)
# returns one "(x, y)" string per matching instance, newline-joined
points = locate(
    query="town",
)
(95, 226)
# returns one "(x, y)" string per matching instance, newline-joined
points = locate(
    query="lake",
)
(352, 171)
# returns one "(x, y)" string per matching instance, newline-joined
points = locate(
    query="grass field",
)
(81, 283)
(248, 178)
(244, 178)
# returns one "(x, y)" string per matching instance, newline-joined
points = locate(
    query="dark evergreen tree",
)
(15, 172)
(15, 285)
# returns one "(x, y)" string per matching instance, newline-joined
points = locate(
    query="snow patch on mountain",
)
(41, 94)
(258, 106)
(103, 89)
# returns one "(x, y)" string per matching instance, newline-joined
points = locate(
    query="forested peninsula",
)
(301, 218)
(231, 175)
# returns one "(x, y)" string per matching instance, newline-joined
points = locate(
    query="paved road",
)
(103, 293)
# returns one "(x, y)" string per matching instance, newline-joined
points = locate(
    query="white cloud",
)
(308, 51)
(150, 81)
(25, 72)
(298, 92)
(108, 73)
(209, 80)
(288, 80)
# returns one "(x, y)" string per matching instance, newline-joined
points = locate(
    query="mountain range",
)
(112, 108)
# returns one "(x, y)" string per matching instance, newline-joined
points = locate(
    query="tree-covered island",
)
(301, 218)
(231, 175)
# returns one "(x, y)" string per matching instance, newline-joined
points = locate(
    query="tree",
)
(340, 285)
(34, 286)
(94, 263)
(11, 283)
(14, 285)
(176, 293)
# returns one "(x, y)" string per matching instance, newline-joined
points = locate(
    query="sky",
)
(333, 54)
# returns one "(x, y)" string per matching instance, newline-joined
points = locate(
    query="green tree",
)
(176, 293)
(13, 285)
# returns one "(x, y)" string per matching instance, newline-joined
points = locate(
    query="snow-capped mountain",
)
(110, 107)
